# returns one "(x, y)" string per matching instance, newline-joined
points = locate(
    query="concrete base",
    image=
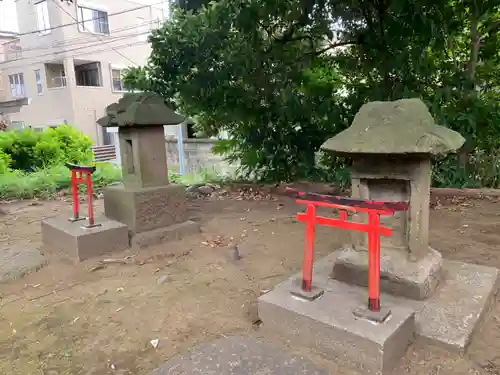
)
(448, 318)
(79, 243)
(398, 275)
(146, 209)
(17, 262)
(329, 326)
(364, 312)
(162, 235)
(310, 295)
(237, 356)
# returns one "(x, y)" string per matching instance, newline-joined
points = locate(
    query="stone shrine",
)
(391, 145)
(153, 209)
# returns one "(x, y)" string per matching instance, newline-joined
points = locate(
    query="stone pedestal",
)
(153, 214)
(80, 243)
(145, 209)
(329, 324)
(398, 275)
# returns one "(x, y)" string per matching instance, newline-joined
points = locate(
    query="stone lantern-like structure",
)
(153, 209)
(391, 145)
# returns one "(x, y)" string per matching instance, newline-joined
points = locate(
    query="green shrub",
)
(5, 162)
(482, 170)
(74, 145)
(30, 151)
(105, 174)
(16, 184)
(20, 146)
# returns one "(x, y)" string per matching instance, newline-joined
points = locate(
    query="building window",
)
(13, 50)
(17, 88)
(117, 80)
(55, 75)
(59, 80)
(17, 125)
(142, 29)
(88, 74)
(42, 17)
(93, 20)
(38, 79)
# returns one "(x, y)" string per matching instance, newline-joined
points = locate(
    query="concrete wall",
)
(198, 156)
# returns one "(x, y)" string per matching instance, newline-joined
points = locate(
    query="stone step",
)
(329, 325)
(238, 355)
(72, 240)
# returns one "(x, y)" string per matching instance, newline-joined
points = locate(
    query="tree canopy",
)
(282, 76)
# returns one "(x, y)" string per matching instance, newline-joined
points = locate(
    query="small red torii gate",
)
(372, 208)
(82, 174)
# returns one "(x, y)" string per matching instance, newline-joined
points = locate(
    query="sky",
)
(8, 18)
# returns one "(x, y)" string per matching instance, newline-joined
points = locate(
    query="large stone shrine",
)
(153, 209)
(391, 145)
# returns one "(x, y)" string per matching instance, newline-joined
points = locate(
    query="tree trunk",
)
(470, 86)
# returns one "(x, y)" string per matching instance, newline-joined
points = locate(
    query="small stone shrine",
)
(391, 145)
(153, 209)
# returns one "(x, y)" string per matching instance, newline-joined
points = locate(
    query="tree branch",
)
(495, 26)
(475, 42)
(332, 46)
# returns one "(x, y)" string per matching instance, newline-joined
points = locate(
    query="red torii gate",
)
(372, 208)
(82, 174)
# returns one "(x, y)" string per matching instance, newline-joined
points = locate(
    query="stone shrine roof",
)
(140, 109)
(399, 127)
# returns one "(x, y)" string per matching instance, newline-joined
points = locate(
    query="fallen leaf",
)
(112, 261)
(98, 267)
(154, 343)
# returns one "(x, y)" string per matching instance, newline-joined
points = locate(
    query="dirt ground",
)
(88, 320)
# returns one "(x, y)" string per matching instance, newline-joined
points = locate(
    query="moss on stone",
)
(140, 109)
(400, 127)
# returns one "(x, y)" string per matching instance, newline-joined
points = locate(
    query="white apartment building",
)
(7, 51)
(69, 58)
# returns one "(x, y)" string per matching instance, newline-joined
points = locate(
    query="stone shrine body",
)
(153, 209)
(391, 145)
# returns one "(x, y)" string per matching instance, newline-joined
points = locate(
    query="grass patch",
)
(192, 178)
(43, 183)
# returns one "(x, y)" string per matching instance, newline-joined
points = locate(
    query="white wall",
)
(8, 16)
